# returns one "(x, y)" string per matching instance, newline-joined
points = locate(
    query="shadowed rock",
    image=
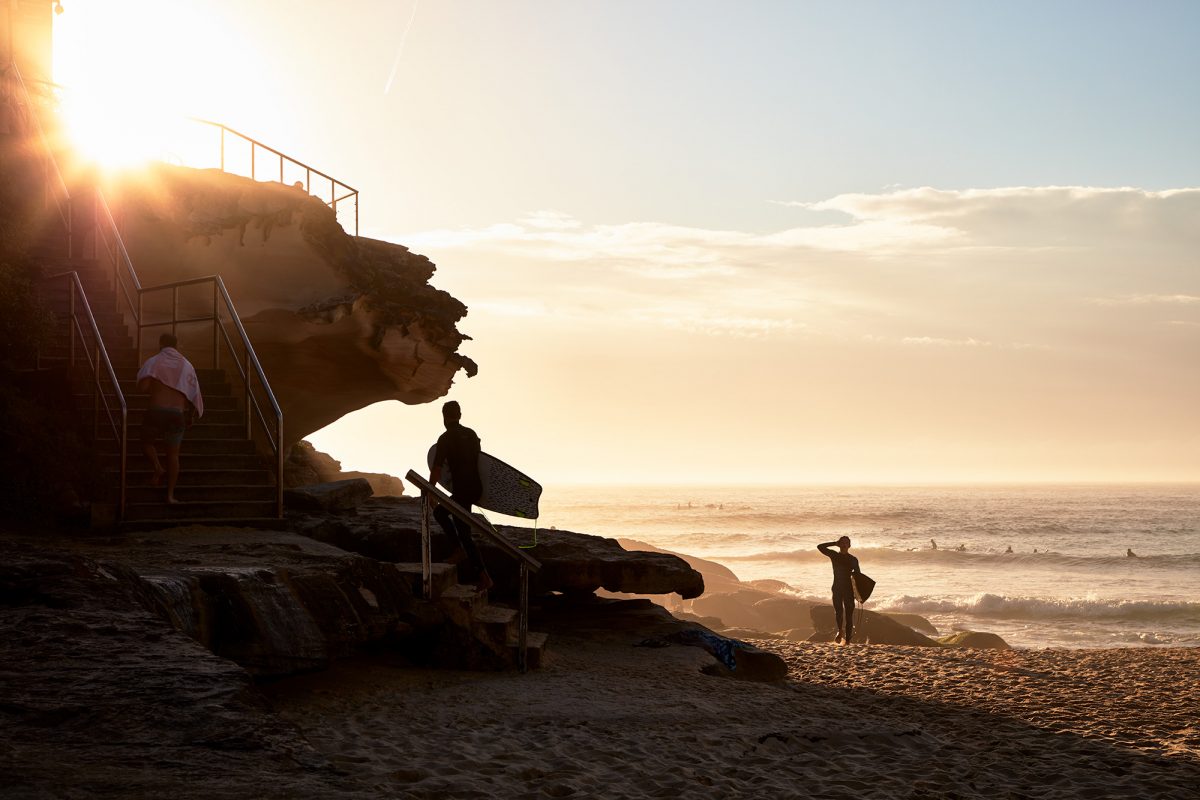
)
(389, 529)
(328, 497)
(306, 465)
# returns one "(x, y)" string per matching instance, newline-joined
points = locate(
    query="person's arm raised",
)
(827, 548)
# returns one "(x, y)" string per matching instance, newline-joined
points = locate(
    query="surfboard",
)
(863, 586)
(506, 490)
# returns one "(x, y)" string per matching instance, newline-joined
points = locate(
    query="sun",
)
(130, 74)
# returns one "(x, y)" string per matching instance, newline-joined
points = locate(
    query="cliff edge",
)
(339, 322)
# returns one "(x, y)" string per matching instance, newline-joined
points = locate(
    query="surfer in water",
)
(844, 566)
(458, 448)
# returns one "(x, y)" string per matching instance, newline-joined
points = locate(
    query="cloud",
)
(1147, 299)
(986, 265)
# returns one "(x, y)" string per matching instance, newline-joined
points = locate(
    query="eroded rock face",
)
(338, 322)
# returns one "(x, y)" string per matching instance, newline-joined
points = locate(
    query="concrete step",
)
(138, 473)
(442, 577)
(189, 461)
(198, 510)
(212, 416)
(212, 402)
(497, 622)
(193, 443)
(535, 647)
(460, 602)
(229, 493)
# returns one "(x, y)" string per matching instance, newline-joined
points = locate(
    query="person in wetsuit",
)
(844, 565)
(458, 449)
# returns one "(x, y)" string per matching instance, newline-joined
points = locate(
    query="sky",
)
(764, 242)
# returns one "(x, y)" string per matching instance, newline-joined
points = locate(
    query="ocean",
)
(1068, 581)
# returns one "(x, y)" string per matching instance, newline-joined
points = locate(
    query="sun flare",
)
(130, 77)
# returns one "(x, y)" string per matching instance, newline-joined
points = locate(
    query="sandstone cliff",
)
(339, 322)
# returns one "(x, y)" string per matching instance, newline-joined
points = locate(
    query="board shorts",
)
(163, 423)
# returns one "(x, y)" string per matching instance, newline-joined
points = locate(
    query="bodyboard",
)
(506, 490)
(863, 586)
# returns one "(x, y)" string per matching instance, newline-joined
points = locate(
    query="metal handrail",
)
(525, 562)
(246, 362)
(309, 171)
(120, 432)
(62, 198)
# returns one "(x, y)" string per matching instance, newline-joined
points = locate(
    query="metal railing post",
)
(96, 396)
(71, 324)
(222, 129)
(249, 399)
(523, 620)
(279, 465)
(426, 565)
(138, 336)
(175, 311)
(216, 328)
(124, 461)
(253, 161)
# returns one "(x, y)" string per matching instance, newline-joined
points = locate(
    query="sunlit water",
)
(1079, 589)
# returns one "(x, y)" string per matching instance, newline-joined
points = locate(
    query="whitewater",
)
(1067, 582)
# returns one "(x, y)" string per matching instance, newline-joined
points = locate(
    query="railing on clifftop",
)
(130, 289)
(336, 187)
(525, 562)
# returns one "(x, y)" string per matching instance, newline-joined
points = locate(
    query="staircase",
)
(494, 627)
(222, 478)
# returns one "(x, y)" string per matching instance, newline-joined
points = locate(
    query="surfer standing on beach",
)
(844, 566)
(458, 449)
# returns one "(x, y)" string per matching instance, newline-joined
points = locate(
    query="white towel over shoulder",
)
(170, 368)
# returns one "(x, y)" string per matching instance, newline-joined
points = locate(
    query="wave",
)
(877, 555)
(1031, 608)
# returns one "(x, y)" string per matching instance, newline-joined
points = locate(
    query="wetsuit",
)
(844, 565)
(458, 450)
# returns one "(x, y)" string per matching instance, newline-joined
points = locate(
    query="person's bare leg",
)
(172, 471)
(152, 456)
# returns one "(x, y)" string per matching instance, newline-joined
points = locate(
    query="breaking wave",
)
(869, 555)
(1028, 608)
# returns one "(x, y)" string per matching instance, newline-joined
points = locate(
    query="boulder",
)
(869, 627)
(736, 608)
(306, 465)
(783, 612)
(329, 497)
(339, 322)
(717, 577)
(914, 621)
(795, 634)
(975, 639)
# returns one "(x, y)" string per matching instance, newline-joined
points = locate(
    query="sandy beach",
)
(605, 718)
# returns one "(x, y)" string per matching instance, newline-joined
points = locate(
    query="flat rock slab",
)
(333, 496)
(101, 697)
(574, 563)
